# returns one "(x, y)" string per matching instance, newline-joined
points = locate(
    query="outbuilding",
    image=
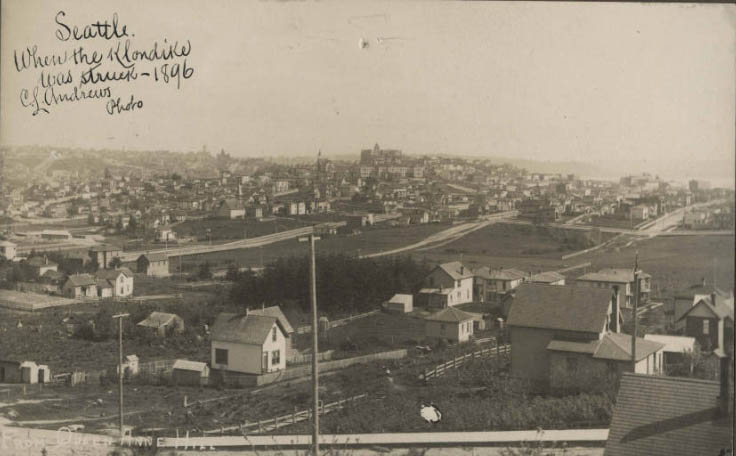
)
(191, 373)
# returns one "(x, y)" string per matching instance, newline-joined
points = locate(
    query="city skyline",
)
(601, 84)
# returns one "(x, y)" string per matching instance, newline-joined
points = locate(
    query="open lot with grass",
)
(225, 229)
(674, 262)
(370, 240)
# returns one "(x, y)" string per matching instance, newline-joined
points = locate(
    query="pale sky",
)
(546, 81)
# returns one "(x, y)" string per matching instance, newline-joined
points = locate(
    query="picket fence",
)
(459, 361)
(260, 427)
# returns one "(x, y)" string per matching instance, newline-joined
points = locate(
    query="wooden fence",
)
(260, 427)
(454, 363)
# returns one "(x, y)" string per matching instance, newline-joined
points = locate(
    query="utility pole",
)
(120, 367)
(315, 335)
(636, 310)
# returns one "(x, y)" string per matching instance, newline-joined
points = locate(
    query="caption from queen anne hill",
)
(100, 62)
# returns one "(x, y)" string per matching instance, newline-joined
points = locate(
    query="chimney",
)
(614, 311)
(703, 282)
(725, 402)
(713, 298)
(462, 269)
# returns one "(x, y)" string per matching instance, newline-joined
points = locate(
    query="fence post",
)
(260, 428)
(293, 416)
(185, 401)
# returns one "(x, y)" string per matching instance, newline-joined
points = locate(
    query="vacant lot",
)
(224, 229)
(675, 262)
(370, 240)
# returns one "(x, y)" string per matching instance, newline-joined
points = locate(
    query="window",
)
(273, 336)
(221, 356)
(275, 357)
(706, 326)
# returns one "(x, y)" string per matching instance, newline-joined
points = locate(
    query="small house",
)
(131, 366)
(104, 288)
(9, 371)
(231, 209)
(275, 311)
(400, 303)
(121, 280)
(676, 348)
(710, 322)
(248, 343)
(153, 264)
(80, 286)
(163, 323)
(494, 284)
(42, 264)
(449, 284)
(190, 373)
(449, 324)
(8, 250)
(104, 254)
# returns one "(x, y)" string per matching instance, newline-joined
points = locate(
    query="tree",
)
(204, 272)
(116, 262)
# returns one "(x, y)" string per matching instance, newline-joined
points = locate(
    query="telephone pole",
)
(120, 367)
(636, 310)
(315, 335)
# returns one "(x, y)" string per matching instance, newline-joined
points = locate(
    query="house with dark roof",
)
(103, 254)
(162, 322)
(450, 324)
(676, 416)
(710, 322)
(449, 284)
(275, 311)
(42, 264)
(621, 280)
(231, 208)
(494, 284)
(153, 264)
(121, 280)
(568, 338)
(687, 298)
(248, 343)
(80, 286)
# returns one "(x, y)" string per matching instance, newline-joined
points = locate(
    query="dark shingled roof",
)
(243, 328)
(112, 274)
(560, 307)
(453, 269)
(151, 257)
(486, 272)
(81, 280)
(656, 415)
(450, 315)
(613, 275)
(275, 311)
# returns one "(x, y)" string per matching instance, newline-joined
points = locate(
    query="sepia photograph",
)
(404, 228)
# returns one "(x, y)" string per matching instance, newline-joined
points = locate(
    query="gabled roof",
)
(151, 257)
(81, 280)
(112, 274)
(450, 315)
(102, 283)
(275, 311)
(723, 308)
(560, 307)
(243, 328)
(158, 320)
(400, 298)
(184, 364)
(612, 346)
(656, 415)
(673, 344)
(486, 272)
(40, 261)
(456, 270)
(612, 275)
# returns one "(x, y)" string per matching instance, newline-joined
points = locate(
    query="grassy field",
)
(674, 262)
(224, 229)
(370, 240)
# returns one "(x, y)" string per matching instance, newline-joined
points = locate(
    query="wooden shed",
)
(192, 373)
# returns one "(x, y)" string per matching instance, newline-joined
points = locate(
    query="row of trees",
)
(345, 284)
